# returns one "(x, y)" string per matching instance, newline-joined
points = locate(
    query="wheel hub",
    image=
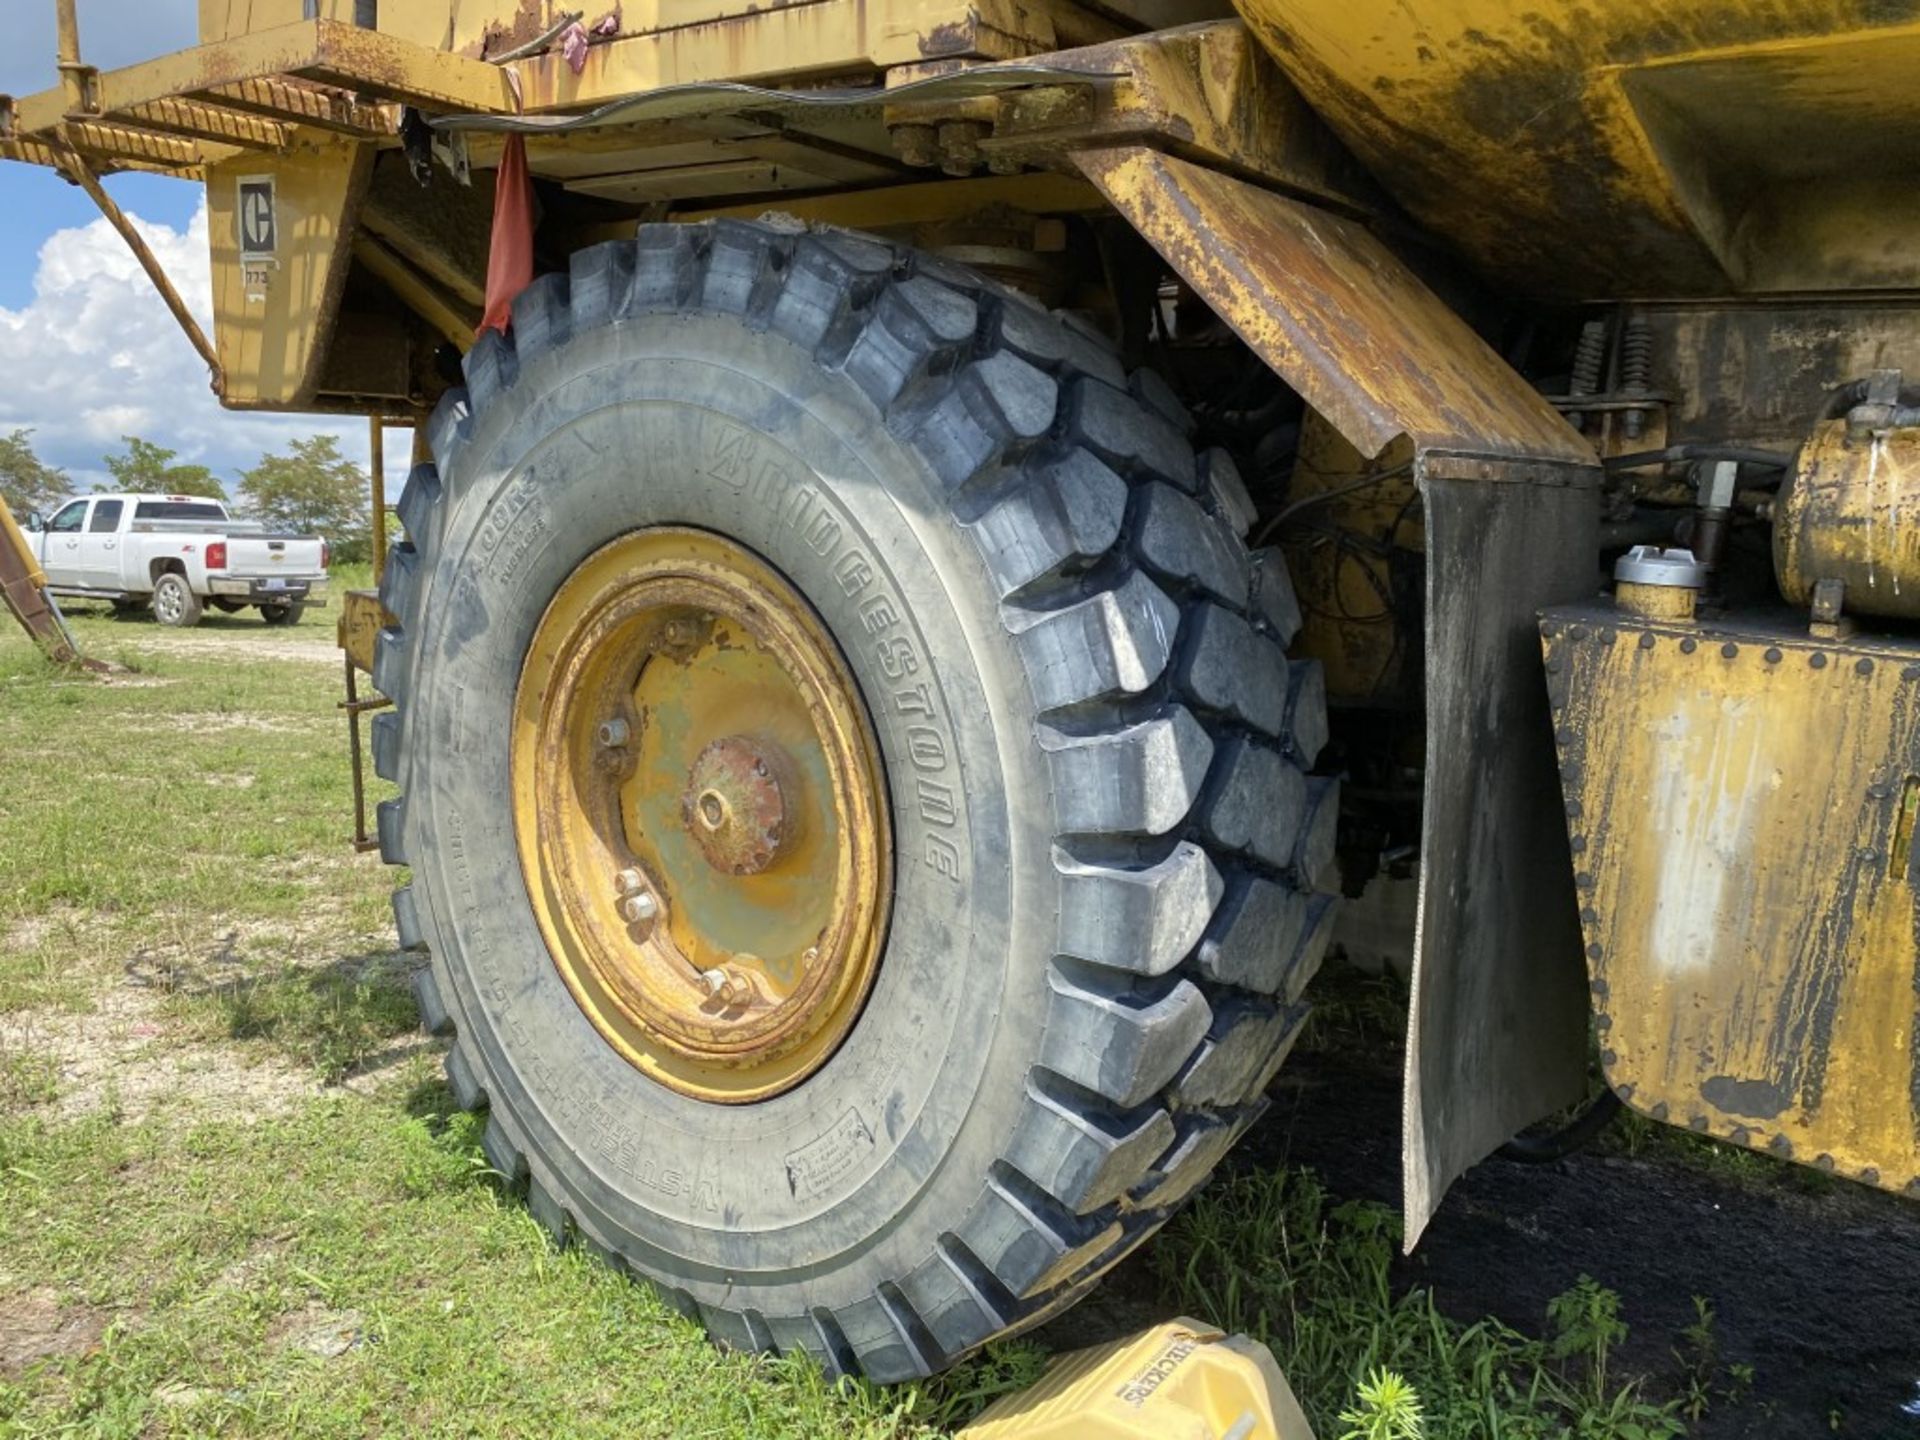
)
(697, 798)
(734, 806)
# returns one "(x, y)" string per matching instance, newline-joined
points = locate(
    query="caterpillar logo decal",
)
(257, 219)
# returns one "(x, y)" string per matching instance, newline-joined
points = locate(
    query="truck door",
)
(100, 550)
(62, 558)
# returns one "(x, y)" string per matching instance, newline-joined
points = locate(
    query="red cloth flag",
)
(510, 254)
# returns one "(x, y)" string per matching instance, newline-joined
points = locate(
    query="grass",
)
(230, 1164)
(1270, 1254)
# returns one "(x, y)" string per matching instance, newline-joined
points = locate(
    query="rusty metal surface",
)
(111, 148)
(345, 57)
(1334, 312)
(699, 806)
(304, 103)
(22, 589)
(1510, 495)
(1206, 90)
(358, 628)
(1742, 800)
(735, 803)
(716, 95)
(1497, 1035)
(196, 120)
(1690, 147)
(1847, 513)
(1716, 358)
(353, 707)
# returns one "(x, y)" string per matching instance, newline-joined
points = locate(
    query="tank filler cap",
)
(1652, 565)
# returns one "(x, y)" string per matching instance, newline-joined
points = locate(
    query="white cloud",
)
(97, 355)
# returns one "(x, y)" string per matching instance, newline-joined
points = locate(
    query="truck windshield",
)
(178, 510)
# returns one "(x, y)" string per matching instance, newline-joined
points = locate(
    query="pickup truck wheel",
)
(174, 602)
(854, 787)
(282, 614)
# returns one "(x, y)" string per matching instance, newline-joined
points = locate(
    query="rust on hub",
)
(734, 807)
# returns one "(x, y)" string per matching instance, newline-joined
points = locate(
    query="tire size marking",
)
(514, 523)
(813, 1169)
(736, 460)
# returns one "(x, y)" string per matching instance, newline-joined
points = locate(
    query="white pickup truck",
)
(177, 553)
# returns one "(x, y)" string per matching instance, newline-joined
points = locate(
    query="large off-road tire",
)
(1109, 862)
(174, 602)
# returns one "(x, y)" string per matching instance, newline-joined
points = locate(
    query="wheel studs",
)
(614, 733)
(637, 904)
(729, 986)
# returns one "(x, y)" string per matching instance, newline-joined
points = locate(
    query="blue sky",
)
(88, 352)
(34, 202)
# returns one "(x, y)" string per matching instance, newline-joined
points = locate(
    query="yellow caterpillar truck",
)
(969, 522)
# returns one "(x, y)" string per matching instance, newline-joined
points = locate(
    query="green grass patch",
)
(1272, 1255)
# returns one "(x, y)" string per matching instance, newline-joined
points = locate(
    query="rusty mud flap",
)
(1498, 1030)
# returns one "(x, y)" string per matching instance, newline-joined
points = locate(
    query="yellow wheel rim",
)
(698, 806)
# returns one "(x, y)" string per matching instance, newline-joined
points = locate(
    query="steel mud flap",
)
(1497, 1036)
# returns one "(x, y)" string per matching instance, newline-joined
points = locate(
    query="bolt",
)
(639, 908)
(728, 985)
(917, 145)
(629, 880)
(677, 632)
(960, 146)
(614, 733)
(713, 809)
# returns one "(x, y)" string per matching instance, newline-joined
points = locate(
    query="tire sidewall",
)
(698, 421)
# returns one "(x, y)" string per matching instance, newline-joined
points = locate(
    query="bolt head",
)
(640, 908)
(614, 733)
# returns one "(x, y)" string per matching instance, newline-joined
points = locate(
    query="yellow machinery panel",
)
(1741, 803)
(1179, 1381)
(1681, 148)
(279, 227)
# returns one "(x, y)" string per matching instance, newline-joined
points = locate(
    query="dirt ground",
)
(1813, 1282)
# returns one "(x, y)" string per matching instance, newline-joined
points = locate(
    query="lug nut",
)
(917, 145)
(639, 908)
(629, 880)
(614, 733)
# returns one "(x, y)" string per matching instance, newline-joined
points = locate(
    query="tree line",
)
(311, 489)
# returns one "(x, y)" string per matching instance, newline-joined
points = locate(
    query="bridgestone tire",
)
(174, 602)
(1109, 856)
